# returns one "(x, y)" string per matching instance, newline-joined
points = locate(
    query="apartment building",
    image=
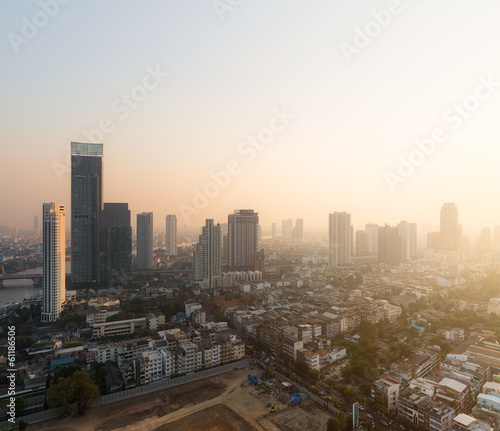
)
(385, 393)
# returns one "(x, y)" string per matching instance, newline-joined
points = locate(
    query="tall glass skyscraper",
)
(86, 206)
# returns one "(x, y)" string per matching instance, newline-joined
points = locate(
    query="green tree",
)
(101, 378)
(20, 406)
(367, 330)
(86, 392)
(314, 390)
(333, 425)
(60, 394)
(78, 388)
(314, 374)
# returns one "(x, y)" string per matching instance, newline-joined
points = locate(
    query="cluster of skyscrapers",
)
(101, 234)
(101, 237)
(242, 247)
(289, 232)
(392, 244)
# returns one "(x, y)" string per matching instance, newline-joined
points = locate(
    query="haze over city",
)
(217, 77)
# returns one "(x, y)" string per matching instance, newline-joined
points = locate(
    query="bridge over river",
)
(36, 278)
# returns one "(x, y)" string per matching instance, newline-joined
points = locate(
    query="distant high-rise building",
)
(449, 230)
(273, 230)
(408, 238)
(286, 229)
(298, 231)
(361, 243)
(86, 206)
(225, 243)
(423, 231)
(171, 235)
(35, 225)
(207, 257)
(259, 261)
(371, 238)
(496, 237)
(115, 244)
(144, 241)
(389, 245)
(243, 239)
(340, 239)
(54, 261)
(484, 242)
(433, 240)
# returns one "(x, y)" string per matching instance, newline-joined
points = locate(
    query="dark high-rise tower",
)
(86, 206)
(115, 244)
(145, 241)
(243, 239)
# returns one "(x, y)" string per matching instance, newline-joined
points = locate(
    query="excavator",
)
(273, 408)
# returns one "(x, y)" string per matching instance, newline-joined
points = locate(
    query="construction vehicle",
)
(253, 379)
(273, 408)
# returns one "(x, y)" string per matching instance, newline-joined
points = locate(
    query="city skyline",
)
(280, 214)
(338, 120)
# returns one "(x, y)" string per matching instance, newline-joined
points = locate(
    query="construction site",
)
(241, 400)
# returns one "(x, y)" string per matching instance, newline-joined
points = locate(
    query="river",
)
(14, 290)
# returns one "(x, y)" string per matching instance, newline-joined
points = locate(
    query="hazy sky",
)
(228, 73)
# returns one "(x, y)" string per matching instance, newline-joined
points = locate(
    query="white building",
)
(168, 362)
(494, 306)
(95, 315)
(151, 367)
(54, 261)
(191, 307)
(309, 358)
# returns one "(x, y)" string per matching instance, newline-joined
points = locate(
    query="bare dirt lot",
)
(225, 402)
(300, 419)
(215, 418)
